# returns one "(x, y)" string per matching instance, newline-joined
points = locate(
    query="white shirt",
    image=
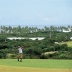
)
(20, 50)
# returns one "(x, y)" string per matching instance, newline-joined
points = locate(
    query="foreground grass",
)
(38, 63)
(28, 69)
(35, 65)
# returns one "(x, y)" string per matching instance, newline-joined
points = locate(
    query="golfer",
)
(20, 53)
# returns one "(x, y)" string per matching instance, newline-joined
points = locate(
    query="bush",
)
(2, 54)
(43, 57)
(11, 56)
(62, 47)
(62, 55)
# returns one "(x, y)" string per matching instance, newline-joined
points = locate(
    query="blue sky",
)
(36, 12)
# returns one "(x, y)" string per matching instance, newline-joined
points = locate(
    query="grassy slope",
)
(69, 43)
(38, 63)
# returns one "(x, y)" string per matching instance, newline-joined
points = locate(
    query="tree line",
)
(26, 29)
(35, 48)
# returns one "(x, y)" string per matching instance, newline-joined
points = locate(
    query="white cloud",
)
(49, 19)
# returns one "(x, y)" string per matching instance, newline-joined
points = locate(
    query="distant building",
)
(66, 31)
(56, 43)
(34, 38)
(15, 38)
(39, 38)
(70, 37)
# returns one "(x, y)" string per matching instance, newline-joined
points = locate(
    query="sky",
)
(36, 12)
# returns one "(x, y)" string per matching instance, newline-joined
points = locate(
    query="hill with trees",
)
(36, 48)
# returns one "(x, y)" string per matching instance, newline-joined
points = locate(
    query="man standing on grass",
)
(20, 53)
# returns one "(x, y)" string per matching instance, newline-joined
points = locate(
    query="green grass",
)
(69, 43)
(38, 63)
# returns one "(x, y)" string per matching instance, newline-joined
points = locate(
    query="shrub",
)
(43, 57)
(11, 56)
(2, 54)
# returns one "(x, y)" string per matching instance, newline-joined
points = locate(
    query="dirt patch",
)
(28, 69)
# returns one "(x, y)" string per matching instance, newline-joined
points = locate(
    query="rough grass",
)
(35, 65)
